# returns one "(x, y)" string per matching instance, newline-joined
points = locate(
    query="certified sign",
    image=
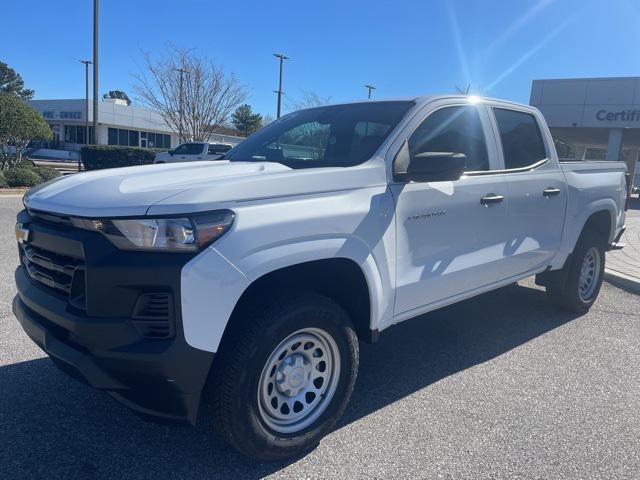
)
(622, 115)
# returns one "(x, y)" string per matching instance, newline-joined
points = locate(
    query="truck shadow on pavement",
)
(55, 427)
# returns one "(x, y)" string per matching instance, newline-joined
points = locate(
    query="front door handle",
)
(551, 191)
(490, 199)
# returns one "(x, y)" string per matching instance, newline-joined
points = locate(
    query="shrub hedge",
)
(22, 177)
(47, 173)
(97, 157)
(27, 175)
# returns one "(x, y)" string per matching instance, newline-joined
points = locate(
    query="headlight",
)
(186, 234)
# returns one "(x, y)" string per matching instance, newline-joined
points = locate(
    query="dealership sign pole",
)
(96, 7)
(86, 106)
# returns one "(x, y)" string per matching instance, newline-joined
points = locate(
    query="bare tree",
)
(307, 99)
(208, 94)
(311, 137)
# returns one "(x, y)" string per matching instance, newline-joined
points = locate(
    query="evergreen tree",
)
(245, 121)
(12, 83)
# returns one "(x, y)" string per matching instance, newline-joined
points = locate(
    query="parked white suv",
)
(255, 277)
(192, 152)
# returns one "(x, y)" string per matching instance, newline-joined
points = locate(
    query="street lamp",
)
(86, 104)
(370, 87)
(181, 101)
(282, 58)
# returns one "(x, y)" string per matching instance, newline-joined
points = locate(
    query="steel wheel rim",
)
(589, 273)
(302, 373)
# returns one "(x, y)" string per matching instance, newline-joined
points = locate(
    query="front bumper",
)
(158, 377)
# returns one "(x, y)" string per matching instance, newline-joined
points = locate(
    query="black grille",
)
(152, 315)
(50, 217)
(60, 273)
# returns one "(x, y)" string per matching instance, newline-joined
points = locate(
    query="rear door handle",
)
(551, 191)
(490, 199)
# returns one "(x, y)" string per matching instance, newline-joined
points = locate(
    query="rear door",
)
(536, 188)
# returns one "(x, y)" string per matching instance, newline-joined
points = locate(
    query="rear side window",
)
(455, 130)
(522, 143)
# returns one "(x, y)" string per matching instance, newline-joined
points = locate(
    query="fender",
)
(574, 224)
(363, 226)
(212, 286)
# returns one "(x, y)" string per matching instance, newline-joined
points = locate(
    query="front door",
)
(450, 235)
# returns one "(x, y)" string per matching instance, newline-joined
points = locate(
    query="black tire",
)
(566, 293)
(233, 386)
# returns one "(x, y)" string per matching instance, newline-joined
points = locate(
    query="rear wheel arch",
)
(601, 224)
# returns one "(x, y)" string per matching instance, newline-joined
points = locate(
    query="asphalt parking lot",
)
(500, 386)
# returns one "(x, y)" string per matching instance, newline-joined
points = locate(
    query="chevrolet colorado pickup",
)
(245, 284)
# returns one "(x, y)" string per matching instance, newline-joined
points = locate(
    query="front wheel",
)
(583, 276)
(284, 376)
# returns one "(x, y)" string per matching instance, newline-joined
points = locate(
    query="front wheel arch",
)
(340, 279)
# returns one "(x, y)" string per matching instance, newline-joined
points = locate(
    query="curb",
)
(623, 281)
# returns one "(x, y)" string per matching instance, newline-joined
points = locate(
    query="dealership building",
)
(118, 124)
(592, 118)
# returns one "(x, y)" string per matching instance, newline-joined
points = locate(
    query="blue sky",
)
(336, 47)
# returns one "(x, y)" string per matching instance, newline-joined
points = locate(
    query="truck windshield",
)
(333, 136)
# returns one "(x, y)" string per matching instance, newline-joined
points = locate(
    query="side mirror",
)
(170, 152)
(429, 166)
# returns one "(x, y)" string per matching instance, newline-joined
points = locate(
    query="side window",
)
(522, 143)
(456, 130)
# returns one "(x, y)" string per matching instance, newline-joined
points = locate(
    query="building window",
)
(162, 141)
(123, 138)
(113, 136)
(76, 134)
(133, 138)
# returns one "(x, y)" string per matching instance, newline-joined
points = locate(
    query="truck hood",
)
(187, 187)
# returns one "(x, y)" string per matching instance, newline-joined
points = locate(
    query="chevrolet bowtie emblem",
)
(22, 234)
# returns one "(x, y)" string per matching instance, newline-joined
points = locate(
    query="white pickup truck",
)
(247, 283)
(192, 152)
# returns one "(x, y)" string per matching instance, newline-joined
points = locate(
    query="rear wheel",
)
(284, 376)
(583, 276)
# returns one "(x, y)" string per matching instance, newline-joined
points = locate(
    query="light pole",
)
(282, 58)
(370, 87)
(180, 102)
(86, 104)
(96, 11)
